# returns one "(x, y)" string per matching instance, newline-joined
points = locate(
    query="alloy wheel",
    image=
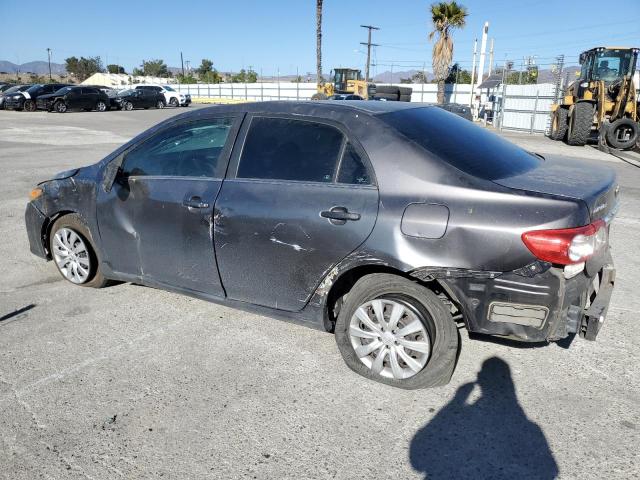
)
(61, 107)
(101, 106)
(389, 336)
(71, 255)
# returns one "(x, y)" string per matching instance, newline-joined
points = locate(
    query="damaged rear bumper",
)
(35, 222)
(535, 306)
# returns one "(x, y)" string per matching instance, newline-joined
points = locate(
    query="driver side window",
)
(187, 150)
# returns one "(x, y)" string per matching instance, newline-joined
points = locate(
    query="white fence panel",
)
(527, 107)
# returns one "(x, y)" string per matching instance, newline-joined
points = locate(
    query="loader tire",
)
(580, 124)
(388, 90)
(405, 98)
(559, 124)
(623, 133)
(405, 90)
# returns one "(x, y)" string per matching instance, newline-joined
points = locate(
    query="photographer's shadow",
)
(490, 438)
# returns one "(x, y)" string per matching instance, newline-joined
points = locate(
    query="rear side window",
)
(188, 150)
(352, 168)
(458, 142)
(285, 149)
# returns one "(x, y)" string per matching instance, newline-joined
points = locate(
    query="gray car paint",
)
(485, 222)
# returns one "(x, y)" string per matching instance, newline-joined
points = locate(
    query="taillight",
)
(567, 246)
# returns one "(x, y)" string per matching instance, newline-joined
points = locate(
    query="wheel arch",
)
(342, 281)
(47, 225)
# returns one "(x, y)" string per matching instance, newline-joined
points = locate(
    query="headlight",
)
(35, 193)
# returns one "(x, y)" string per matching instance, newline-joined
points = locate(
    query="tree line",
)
(83, 67)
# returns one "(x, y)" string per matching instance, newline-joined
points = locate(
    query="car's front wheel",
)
(396, 331)
(174, 102)
(128, 106)
(101, 106)
(60, 106)
(29, 106)
(73, 252)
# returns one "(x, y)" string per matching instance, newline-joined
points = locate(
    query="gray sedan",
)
(388, 224)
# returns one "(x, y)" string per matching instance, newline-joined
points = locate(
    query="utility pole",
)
(369, 45)
(49, 55)
(182, 63)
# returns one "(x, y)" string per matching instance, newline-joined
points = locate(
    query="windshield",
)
(168, 88)
(63, 90)
(12, 89)
(460, 143)
(34, 88)
(610, 65)
(124, 93)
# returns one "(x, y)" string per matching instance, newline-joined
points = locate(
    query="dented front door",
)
(161, 206)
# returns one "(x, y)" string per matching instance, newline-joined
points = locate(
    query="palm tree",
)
(445, 16)
(319, 41)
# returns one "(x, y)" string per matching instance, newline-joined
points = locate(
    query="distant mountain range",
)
(42, 68)
(38, 67)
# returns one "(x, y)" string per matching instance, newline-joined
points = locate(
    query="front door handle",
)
(195, 202)
(339, 215)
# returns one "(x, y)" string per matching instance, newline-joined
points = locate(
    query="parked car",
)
(74, 98)
(345, 96)
(5, 86)
(386, 223)
(172, 97)
(26, 100)
(12, 90)
(130, 99)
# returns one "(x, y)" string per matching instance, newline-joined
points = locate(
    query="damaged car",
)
(369, 220)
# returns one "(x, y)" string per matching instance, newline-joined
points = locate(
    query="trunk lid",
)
(594, 184)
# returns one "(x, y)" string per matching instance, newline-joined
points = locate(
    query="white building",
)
(122, 80)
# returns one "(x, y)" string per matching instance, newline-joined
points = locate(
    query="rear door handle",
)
(339, 215)
(195, 202)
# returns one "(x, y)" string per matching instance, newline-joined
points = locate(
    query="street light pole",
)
(49, 54)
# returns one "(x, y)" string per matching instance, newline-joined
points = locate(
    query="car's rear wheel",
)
(128, 106)
(60, 106)
(29, 106)
(73, 252)
(396, 331)
(101, 106)
(174, 102)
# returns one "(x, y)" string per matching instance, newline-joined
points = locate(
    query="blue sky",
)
(280, 34)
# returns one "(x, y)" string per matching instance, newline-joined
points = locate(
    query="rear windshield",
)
(460, 143)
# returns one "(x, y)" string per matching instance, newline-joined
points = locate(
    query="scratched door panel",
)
(272, 245)
(176, 247)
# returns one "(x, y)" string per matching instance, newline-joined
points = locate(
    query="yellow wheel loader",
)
(345, 81)
(602, 100)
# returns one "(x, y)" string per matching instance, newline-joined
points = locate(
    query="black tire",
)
(405, 90)
(559, 124)
(405, 98)
(128, 106)
(579, 129)
(60, 106)
(160, 104)
(388, 89)
(174, 102)
(623, 133)
(74, 222)
(29, 106)
(433, 314)
(392, 97)
(319, 96)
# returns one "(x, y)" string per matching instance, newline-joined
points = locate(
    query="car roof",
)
(317, 107)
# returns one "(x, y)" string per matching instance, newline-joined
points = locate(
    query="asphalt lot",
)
(132, 382)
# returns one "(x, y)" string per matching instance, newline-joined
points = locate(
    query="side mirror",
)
(111, 172)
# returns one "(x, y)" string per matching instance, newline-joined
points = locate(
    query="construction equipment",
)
(350, 81)
(601, 100)
(345, 80)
